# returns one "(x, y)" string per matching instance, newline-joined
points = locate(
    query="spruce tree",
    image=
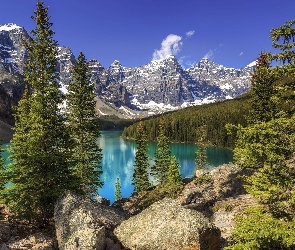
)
(84, 129)
(19, 152)
(174, 183)
(140, 175)
(201, 153)
(40, 171)
(201, 158)
(263, 92)
(118, 194)
(267, 145)
(162, 156)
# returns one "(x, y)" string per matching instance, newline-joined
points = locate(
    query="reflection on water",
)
(118, 161)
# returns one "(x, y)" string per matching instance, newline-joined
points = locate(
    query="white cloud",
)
(190, 33)
(171, 45)
(242, 53)
(209, 54)
(181, 59)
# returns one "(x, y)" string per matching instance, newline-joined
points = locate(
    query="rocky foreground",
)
(202, 217)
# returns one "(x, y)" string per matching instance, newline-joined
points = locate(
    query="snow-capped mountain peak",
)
(252, 64)
(158, 86)
(9, 26)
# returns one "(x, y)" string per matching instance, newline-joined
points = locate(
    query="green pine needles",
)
(118, 194)
(84, 129)
(50, 154)
(267, 145)
(40, 171)
(140, 175)
(162, 156)
(166, 169)
(201, 158)
(174, 184)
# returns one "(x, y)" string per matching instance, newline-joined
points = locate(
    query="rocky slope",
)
(158, 86)
(212, 205)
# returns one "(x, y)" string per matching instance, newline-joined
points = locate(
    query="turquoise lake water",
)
(118, 161)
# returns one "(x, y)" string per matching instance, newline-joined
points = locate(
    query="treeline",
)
(112, 122)
(192, 124)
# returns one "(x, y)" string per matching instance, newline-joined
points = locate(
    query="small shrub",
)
(215, 209)
(261, 231)
(204, 179)
(228, 207)
(156, 194)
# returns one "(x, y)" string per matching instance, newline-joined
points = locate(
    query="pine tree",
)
(174, 183)
(140, 175)
(162, 156)
(118, 194)
(266, 145)
(201, 153)
(40, 171)
(263, 92)
(18, 151)
(84, 129)
(201, 158)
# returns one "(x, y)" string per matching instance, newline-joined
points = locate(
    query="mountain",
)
(163, 85)
(12, 53)
(158, 86)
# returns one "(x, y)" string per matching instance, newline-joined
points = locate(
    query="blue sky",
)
(229, 32)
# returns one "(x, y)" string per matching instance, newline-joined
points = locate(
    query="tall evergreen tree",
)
(201, 153)
(162, 156)
(84, 129)
(201, 158)
(18, 151)
(174, 183)
(263, 92)
(118, 194)
(140, 175)
(267, 145)
(40, 171)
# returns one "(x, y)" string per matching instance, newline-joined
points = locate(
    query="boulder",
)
(102, 201)
(167, 225)
(227, 210)
(224, 182)
(84, 224)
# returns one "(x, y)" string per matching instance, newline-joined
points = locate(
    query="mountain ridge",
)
(158, 86)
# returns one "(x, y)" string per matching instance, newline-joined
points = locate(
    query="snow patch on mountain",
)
(156, 87)
(9, 27)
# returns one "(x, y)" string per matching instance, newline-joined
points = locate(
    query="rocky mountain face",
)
(12, 53)
(158, 86)
(165, 85)
(12, 58)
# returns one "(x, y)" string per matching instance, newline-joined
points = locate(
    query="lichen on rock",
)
(167, 225)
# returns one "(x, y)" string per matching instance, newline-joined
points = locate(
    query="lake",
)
(118, 161)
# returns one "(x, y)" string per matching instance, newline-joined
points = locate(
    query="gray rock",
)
(225, 182)
(201, 172)
(102, 201)
(83, 223)
(167, 225)
(86, 239)
(227, 210)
